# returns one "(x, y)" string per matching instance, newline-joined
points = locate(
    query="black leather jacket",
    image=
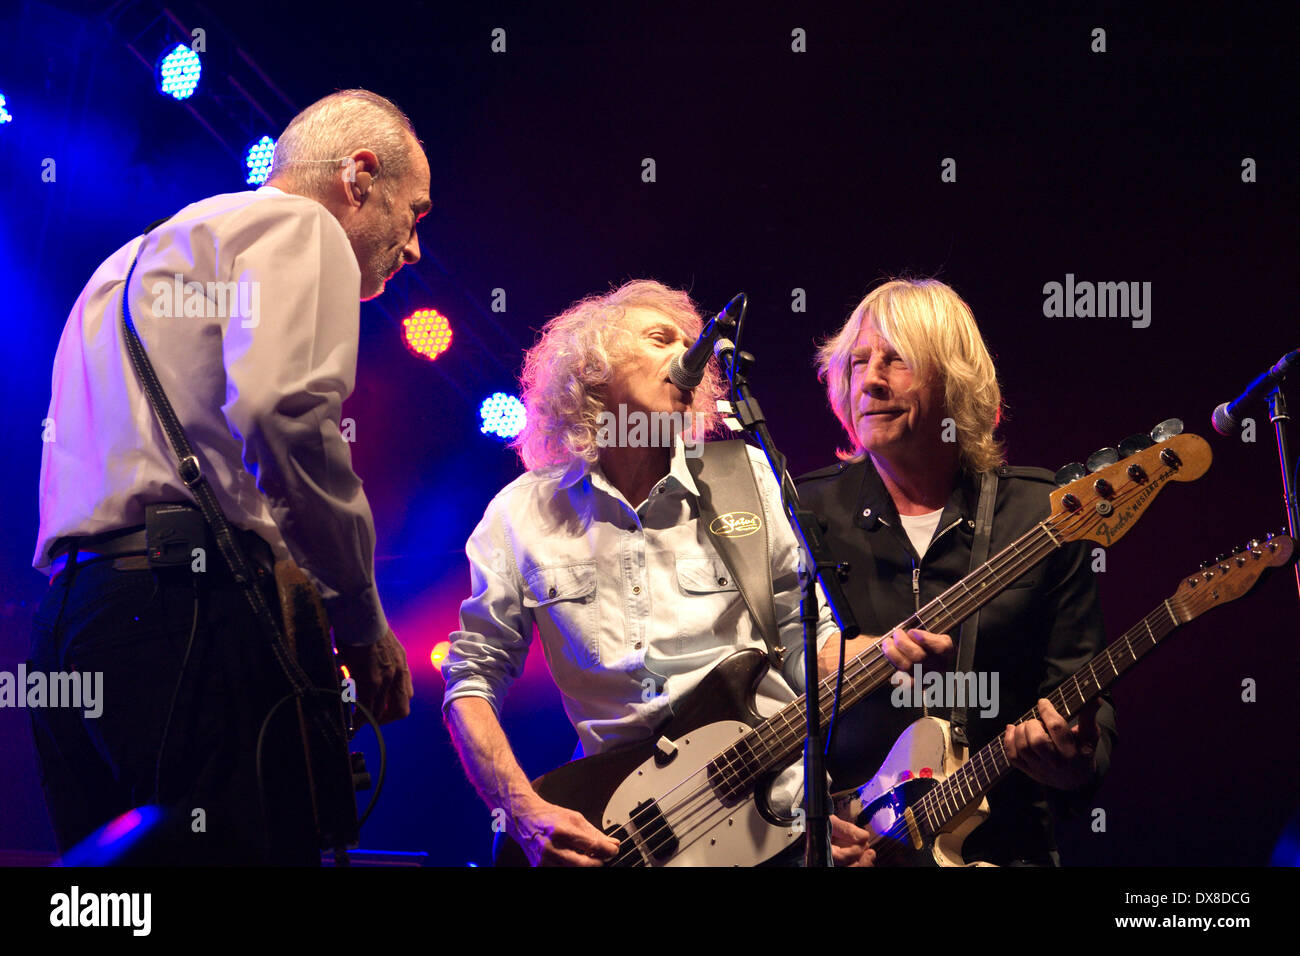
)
(1040, 630)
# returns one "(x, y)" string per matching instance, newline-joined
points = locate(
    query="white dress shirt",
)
(257, 383)
(634, 606)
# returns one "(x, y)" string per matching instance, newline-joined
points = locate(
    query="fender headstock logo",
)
(735, 524)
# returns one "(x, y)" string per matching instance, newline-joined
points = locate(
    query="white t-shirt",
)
(920, 528)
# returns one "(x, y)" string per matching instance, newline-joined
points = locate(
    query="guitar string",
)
(939, 805)
(874, 669)
(1169, 616)
(992, 761)
(963, 786)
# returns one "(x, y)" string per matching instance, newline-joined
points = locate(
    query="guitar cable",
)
(332, 693)
(176, 692)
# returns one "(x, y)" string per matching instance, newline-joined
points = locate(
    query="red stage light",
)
(427, 333)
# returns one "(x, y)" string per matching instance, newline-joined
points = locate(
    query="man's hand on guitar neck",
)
(1053, 752)
(383, 679)
(904, 649)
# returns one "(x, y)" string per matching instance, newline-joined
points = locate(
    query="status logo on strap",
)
(735, 524)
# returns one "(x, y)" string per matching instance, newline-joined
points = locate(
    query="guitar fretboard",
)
(978, 775)
(776, 741)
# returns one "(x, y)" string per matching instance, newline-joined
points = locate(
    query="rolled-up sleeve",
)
(487, 654)
(290, 362)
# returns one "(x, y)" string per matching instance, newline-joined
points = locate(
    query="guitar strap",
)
(240, 567)
(731, 508)
(979, 553)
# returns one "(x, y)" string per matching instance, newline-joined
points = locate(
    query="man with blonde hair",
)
(247, 305)
(910, 379)
(601, 546)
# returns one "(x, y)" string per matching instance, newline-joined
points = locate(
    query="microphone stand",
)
(817, 559)
(1277, 414)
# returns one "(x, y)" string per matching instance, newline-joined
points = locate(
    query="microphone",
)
(687, 371)
(1226, 417)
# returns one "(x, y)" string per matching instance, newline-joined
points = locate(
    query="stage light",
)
(427, 333)
(503, 415)
(258, 160)
(439, 653)
(178, 72)
(4, 113)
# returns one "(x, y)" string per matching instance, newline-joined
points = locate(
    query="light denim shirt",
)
(634, 605)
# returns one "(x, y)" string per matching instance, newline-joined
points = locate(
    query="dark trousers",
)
(134, 628)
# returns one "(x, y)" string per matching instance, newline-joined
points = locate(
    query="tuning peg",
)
(1071, 472)
(1102, 457)
(1133, 444)
(1167, 430)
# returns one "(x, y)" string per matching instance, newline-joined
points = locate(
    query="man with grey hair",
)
(247, 306)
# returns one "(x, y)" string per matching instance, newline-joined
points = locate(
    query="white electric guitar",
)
(927, 796)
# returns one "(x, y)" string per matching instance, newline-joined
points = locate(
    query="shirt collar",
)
(875, 503)
(678, 470)
(577, 470)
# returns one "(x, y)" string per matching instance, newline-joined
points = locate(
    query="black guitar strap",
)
(979, 553)
(731, 508)
(190, 472)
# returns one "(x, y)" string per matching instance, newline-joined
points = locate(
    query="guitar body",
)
(922, 757)
(658, 799)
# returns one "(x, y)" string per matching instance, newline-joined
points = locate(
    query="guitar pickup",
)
(656, 837)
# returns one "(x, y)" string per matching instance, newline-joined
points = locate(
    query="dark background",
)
(775, 171)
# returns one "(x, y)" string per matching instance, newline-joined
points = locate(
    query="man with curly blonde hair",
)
(601, 547)
(912, 382)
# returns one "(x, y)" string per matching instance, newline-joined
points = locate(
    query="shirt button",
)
(722, 580)
(637, 645)
(552, 592)
(636, 589)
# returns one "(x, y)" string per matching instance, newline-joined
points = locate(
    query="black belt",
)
(130, 543)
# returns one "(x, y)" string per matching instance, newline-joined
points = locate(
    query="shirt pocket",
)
(704, 575)
(709, 607)
(565, 596)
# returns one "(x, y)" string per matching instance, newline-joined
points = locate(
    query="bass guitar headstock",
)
(1103, 505)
